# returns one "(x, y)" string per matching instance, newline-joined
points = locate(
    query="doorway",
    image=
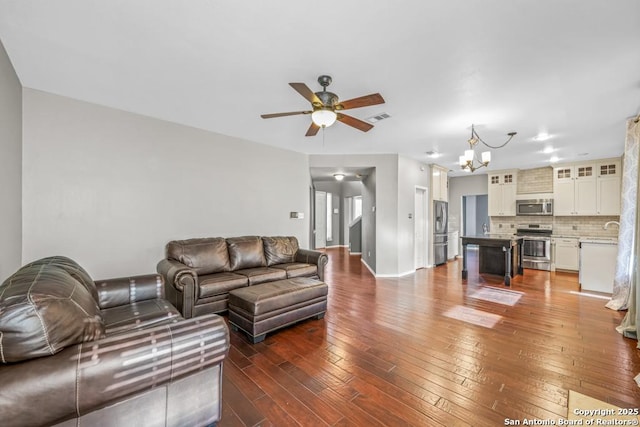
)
(420, 227)
(475, 214)
(320, 226)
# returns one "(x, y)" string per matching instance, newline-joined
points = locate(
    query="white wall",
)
(10, 168)
(110, 188)
(410, 174)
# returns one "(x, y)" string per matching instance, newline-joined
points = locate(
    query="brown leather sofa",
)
(199, 273)
(110, 353)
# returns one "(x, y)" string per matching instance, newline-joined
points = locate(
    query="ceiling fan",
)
(326, 107)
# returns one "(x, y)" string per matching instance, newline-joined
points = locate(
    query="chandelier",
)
(470, 161)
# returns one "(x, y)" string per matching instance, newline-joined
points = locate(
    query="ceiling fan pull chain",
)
(323, 138)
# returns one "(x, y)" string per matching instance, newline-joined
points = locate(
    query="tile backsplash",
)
(578, 226)
(538, 180)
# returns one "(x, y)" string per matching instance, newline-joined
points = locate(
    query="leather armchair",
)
(147, 366)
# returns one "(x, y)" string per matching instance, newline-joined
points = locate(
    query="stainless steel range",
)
(536, 245)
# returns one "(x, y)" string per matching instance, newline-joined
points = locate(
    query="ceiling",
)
(570, 68)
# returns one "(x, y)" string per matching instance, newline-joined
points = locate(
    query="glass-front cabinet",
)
(590, 188)
(502, 188)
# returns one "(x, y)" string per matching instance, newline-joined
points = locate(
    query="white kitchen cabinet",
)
(567, 253)
(597, 264)
(502, 188)
(574, 189)
(609, 187)
(588, 189)
(439, 183)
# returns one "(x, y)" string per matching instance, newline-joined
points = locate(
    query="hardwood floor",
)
(429, 350)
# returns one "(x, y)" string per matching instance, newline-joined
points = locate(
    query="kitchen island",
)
(497, 254)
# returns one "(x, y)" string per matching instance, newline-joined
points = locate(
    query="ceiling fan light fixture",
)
(324, 105)
(324, 117)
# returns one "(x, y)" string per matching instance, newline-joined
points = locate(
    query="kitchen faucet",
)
(608, 223)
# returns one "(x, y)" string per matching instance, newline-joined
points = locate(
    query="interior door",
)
(420, 228)
(321, 220)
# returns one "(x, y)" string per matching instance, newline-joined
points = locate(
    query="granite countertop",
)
(591, 239)
(495, 236)
(607, 240)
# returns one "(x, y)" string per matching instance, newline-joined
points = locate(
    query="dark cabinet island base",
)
(501, 255)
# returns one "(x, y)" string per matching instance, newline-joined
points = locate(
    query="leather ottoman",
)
(260, 309)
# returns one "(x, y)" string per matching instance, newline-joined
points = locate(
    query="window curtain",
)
(627, 250)
(629, 325)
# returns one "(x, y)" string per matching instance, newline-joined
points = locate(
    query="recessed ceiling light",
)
(548, 150)
(542, 136)
(554, 159)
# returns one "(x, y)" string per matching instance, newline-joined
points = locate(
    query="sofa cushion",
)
(220, 283)
(246, 252)
(73, 268)
(298, 269)
(205, 256)
(280, 250)
(43, 309)
(262, 274)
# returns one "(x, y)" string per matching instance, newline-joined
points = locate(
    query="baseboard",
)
(368, 268)
(355, 253)
(406, 273)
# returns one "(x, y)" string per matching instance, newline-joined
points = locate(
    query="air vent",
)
(375, 119)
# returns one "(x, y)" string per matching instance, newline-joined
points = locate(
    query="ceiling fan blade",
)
(353, 122)
(292, 113)
(363, 101)
(308, 94)
(313, 130)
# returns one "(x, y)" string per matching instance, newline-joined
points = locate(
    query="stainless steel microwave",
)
(534, 207)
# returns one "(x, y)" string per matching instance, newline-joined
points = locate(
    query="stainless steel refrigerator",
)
(440, 220)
